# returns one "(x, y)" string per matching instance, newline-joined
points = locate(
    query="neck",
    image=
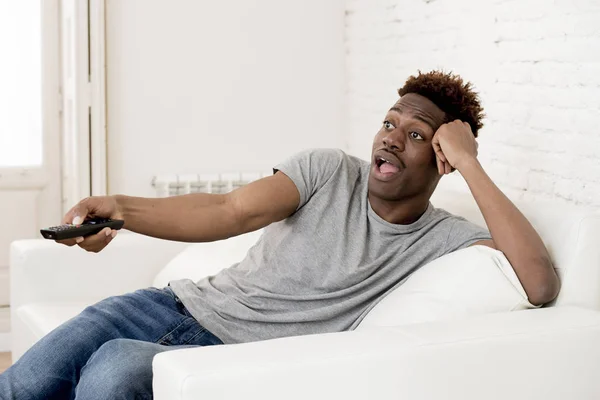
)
(400, 212)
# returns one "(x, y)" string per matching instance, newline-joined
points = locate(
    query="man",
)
(340, 234)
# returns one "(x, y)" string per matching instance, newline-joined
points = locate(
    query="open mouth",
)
(385, 166)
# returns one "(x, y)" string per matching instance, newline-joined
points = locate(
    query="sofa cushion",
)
(205, 259)
(41, 318)
(475, 280)
(570, 233)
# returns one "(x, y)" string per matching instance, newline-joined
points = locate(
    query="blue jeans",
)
(106, 351)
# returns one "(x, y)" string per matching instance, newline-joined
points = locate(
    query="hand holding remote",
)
(93, 207)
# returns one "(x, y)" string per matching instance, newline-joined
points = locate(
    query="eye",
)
(416, 136)
(388, 125)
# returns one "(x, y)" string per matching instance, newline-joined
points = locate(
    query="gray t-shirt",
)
(323, 268)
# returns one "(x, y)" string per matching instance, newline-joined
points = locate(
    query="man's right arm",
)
(194, 217)
(208, 217)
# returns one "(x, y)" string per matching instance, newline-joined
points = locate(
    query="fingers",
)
(91, 206)
(74, 216)
(448, 167)
(441, 155)
(70, 242)
(443, 165)
(438, 151)
(77, 214)
(444, 168)
(97, 242)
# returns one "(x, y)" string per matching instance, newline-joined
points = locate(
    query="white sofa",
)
(552, 353)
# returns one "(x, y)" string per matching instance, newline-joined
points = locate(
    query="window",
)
(21, 136)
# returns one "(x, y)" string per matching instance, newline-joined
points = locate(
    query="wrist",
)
(120, 206)
(468, 164)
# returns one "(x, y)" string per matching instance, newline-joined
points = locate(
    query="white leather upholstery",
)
(550, 353)
(46, 272)
(43, 272)
(42, 318)
(444, 289)
(570, 234)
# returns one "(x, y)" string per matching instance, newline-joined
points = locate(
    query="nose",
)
(394, 141)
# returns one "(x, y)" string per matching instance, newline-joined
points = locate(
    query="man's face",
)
(403, 162)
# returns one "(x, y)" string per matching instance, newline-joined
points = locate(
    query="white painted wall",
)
(29, 194)
(536, 64)
(208, 86)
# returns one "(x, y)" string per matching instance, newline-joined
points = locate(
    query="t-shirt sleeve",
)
(310, 170)
(463, 234)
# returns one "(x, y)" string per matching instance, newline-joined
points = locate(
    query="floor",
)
(4, 361)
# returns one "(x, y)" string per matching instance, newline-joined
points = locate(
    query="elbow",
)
(544, 294)
(547, 287)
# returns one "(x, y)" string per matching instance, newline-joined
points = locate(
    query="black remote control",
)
(88, 227)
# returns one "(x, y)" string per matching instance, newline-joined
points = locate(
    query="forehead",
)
(421, 108)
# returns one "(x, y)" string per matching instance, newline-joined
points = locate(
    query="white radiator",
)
(174, 185)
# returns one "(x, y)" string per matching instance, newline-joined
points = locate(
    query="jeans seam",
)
(202, 332)
(186, 311)
(171, 331)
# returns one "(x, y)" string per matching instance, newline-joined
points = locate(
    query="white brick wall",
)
(536, 64)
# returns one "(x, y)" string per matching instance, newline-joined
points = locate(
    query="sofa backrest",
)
(204, 259)
(571, 235)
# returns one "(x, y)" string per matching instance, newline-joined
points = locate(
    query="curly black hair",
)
(450, 93)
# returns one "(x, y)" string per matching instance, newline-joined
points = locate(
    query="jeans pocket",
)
(182, 334)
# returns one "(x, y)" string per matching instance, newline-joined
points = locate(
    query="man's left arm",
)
(455, 145)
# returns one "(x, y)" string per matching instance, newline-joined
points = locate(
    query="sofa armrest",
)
(548, 353)
(44, 271)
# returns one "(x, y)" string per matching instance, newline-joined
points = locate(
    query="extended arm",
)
(194, 217)
(208, 217)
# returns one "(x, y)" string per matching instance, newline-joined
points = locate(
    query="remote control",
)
(88, 227)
